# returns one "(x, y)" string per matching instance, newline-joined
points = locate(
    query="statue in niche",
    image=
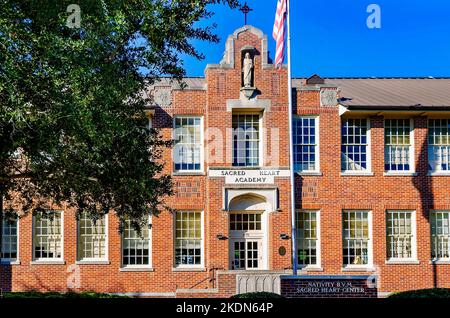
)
(247, 70)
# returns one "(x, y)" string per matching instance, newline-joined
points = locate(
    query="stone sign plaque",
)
(162, 96)
(263, 176)
(328, 98)
(329, 287)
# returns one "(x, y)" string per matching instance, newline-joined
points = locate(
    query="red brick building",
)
(372, 174)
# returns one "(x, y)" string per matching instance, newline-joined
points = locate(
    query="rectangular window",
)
(307, 238)
(439, 145)
(354, 145)
(136, 247)
(188, 143)
(305, 144)
(48, 239)
(245, 221)
(440, 235)
(9, 240)
(92, 240)
(397, 145)
(356, 245)
(188, 239)
(246, 137)
(400, 235)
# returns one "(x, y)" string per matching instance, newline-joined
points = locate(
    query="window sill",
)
(56, 262)
(438, 174)
(136, 269)
(402, 262)
(400, 174)
(189, 173)
(188, 269)
(99, 262)
(357, 174)
(309, 173)
(310, 269)
(440, 261)
(358, 269)
(9, 262)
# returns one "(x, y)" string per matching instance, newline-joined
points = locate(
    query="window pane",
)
(354, 144)
(188, 238)
(356, 237)
(307, 240)
(135, 247)
(399, 234)
(439, 144)
(92, 238)
(245, 140)
(304, 131)
(440, 234)
(397, 144)
(9, 240)
(188, 143)
(47, 237)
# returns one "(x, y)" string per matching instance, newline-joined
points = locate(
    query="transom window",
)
(246, 137)
(440, 234)
(188, 238)
(9, 240)
(188, 144)
(354, 145)
(356, 245)
(305, 144)
(439, 145)
(400, 235)
(136, 247)
(397, 143)
(92, 241)
(245, 221)
(307, 238)
(48, 238)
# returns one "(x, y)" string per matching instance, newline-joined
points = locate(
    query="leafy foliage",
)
(72, 105)
(423, 293)
(36, 294)
(261, 295)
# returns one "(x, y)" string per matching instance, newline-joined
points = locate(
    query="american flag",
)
(279, 30)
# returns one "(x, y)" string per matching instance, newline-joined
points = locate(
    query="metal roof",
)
(391, 92)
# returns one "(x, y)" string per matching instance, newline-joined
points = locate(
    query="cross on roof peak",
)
(245, 9)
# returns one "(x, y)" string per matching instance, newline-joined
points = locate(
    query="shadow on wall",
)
(5, 278)
(423, 184)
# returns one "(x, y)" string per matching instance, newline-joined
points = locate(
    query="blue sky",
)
(331, 37)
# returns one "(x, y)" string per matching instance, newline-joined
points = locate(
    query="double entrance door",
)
(246, 240)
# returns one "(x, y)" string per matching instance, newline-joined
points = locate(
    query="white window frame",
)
(202, 145)
(9, 260)
(202, 245)
(368, 170)
(433, 170)
(48, 260)
(369, 264)
(137, 267)
(318, 264)
(317, 144)
(413, 258)
(261, 142)
(412, 167)
(93, 259)
(437, 258)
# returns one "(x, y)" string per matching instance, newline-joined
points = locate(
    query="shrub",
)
(257, 295)
(36, 294)
(424, 293)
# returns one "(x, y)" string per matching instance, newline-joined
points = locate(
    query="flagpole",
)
(291, 143)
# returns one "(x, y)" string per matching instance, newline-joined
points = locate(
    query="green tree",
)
(72, 107)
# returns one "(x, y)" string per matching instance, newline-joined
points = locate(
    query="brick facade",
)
(329, 191)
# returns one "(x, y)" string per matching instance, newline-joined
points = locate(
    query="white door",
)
(246, 240)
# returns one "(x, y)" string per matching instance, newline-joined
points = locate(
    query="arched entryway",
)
(248, 232)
